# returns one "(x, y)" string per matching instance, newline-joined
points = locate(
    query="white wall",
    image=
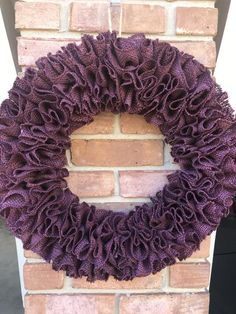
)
(225, 71)
(8, 71)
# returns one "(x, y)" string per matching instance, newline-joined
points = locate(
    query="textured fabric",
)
(136, 75)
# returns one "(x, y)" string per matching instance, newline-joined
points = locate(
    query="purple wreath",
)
(136, 75)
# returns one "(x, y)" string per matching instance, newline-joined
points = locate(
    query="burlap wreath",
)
(136, 75)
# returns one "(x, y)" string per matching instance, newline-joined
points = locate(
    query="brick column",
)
(129, 166)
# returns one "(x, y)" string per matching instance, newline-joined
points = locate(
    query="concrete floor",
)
(10, 294)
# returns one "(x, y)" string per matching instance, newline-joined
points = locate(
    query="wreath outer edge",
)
(137, 75)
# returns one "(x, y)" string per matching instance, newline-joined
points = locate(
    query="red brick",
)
(203, 51)
(145, 18)
(183, 275)
(148, 282)
(117, 152)
(117, 206)
(136, 124)
(196, 21)
(204, 249)
(69, 304)
(35, 304)
(29, 50)
(142, 183)
(41, 276)
(115, 16)
(91, 183)
(30, 254)
(197, 303)
(89, 16)
(102, 124)
(37, 15)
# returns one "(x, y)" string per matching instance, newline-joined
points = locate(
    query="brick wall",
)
(109, 174)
